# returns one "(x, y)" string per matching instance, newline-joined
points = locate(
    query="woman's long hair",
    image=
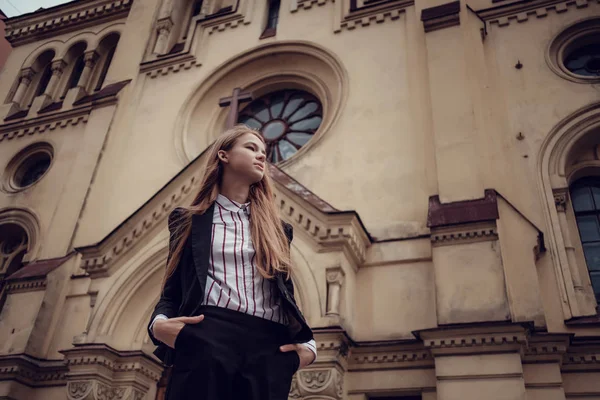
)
(268, 237)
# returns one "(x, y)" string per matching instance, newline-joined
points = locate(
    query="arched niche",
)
(567, 154)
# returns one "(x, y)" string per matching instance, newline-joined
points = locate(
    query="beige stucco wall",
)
(470, 310)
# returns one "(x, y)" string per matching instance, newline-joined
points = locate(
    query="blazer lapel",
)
(201, 239)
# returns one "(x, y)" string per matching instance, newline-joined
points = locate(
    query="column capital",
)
(58, 66)
(26, 73)
(90, 57)
(335, 275)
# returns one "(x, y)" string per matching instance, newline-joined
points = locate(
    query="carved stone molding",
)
(475, 339)
(522, 11)
(96, 390)
(57, 20)
(41, 125)
(333, 348)
(322, 383)
(335, 280)
(113, 374)
(307, 4)
(560, 199)
(470, 233)
(583, 355)
(329, 229)
(166, 66)
(26, 286)
(411, 355)
(32, 372)
(546, 347)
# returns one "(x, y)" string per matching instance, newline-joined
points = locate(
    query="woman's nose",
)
(261, 157)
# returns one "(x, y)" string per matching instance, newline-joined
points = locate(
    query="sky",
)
(13, 8)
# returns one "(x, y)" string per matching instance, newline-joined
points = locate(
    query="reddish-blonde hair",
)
(268, 236)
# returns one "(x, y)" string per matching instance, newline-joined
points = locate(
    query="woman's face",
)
(247, 158)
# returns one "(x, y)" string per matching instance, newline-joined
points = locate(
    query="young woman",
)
(226, 319)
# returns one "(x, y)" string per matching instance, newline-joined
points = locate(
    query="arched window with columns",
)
(106, 51)
(34, 80)
(74, 59)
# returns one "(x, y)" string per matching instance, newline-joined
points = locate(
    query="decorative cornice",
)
(43, 124)
(374, 13)
(476, 338)
(521, 11)
(32, 372)
(26, 286)
(410, 355)
(60, 19)
(97, 260)
(471, 233)
(307, 4)
(546, 347)
(440, 17)
(104, 359)
(165, 66)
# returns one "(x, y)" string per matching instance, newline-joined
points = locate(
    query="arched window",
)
(75, 65)
(13, 246)
(106, 49)
(39, 82)
(272, 19)
(585, 195)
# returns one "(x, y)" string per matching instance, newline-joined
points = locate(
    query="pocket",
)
(296, 361)
(180, 337)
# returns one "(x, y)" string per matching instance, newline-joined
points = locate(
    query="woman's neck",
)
(235, 191)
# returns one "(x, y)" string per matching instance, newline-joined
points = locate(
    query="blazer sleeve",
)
(170, 298)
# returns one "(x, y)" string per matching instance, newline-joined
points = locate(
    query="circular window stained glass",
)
(32, 169)
(287, 119)
(584, 60)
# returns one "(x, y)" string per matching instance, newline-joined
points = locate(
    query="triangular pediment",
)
(328, 228)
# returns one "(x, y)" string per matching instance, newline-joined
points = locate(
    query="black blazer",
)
(184, 290)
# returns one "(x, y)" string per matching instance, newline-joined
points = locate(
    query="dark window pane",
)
(596, 195)
(585, 60)
(251, 122)
(105, 67)
(592, 256)
(76, 73)
(44, 80)
(595, 277)
(582, 200)
(274, 6)
(588, 228)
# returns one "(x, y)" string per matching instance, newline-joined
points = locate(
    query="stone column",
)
(90, 58)
(335, 280)
(542, 363)
(163, 29)
(25, 77)
(57, 67)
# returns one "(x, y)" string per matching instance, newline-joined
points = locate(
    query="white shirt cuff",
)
(312, 346)
(159, 316)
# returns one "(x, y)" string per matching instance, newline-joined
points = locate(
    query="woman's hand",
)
(306, 356)
(166, 330)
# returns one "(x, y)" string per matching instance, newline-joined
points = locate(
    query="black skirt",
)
(231, 355)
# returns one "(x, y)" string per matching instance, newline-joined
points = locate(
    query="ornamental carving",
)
(78, 390)
(327, 383)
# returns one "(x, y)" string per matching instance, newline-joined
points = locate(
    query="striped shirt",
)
(233, 280)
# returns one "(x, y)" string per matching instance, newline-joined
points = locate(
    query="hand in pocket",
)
(167, 330)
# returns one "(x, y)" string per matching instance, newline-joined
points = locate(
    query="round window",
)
(585, 60)
(287, 119)
(28, 167)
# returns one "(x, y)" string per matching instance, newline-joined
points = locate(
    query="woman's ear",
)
(222, 154)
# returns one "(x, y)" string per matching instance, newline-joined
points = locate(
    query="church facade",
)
(438, 160)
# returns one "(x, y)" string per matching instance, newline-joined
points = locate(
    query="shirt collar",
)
(231, 205)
